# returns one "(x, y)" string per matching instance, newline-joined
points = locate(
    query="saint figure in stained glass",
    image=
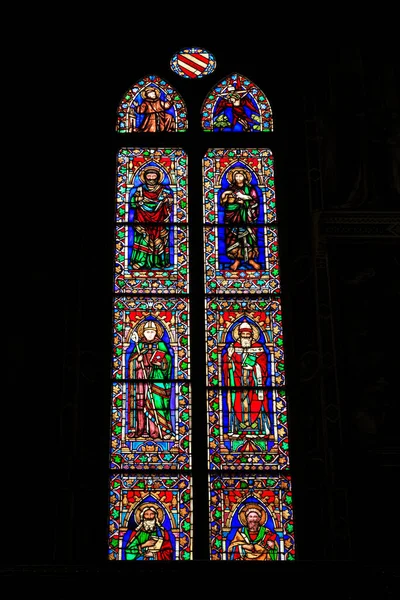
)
(150, 540)
(253, 540)
(150, 362)
(240, 201)
(245, 364)
(152, 205)
(235, 110)
(155, 113)
(236, 104)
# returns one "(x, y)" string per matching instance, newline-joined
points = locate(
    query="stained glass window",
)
(250, 516)
(151, 512)
(247, 467)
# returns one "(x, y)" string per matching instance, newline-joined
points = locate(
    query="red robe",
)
(246, 406)
(133, 545)
(238, 111)
(151, 240)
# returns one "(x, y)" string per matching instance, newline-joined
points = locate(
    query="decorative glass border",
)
(147, 454)
(245, 452)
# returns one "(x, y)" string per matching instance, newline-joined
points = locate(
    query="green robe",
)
(157, 382)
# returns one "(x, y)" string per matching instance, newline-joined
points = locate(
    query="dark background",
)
(336, 146)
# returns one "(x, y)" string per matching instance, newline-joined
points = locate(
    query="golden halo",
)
(140, 329)
(256, 331)
(144, 171)
(150, 87)
(248, 508)
(230, 175)
(146, 506)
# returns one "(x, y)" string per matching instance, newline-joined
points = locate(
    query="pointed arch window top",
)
(151, 105)
(236, 104)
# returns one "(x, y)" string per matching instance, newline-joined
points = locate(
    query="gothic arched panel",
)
(236, 104)
(151, 105)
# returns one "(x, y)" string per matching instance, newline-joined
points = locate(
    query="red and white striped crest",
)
(193, 63)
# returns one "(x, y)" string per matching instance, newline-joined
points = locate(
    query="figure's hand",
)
(140, 357)
(271, 544)
(156, 363)
(249, 547)
(149, 555)
(248, 367)
(135, 104)
(231, 351)
(149, 543)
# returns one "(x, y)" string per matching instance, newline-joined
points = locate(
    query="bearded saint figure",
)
(152, 205)
(253, 541)
(241, 208)
(245, 365)
(150, 540)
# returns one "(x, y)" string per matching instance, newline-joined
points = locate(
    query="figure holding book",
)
(245, 366)
(149, 362)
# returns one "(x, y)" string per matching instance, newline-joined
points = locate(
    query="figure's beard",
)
(149, 524)
(245, 342)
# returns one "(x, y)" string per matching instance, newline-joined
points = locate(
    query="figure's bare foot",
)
(235, 265)
(253, 263)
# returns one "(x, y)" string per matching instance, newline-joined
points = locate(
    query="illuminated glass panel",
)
(241, 259)
(247, 428)
(251, 518)
(239, 186)
(151, 105)
(151, 339)
(244, 344)
(132, 449)
(236, 104)
(193, 63)
(150, 517)
(151, 259)
(137, 169)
